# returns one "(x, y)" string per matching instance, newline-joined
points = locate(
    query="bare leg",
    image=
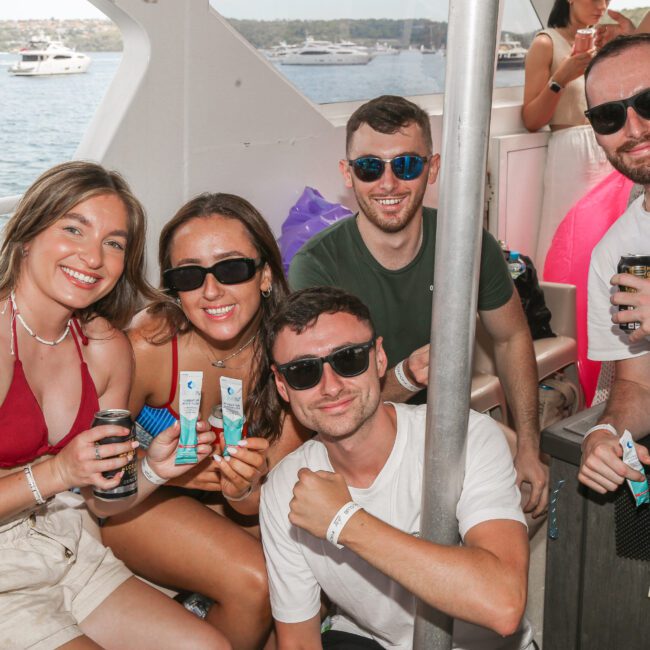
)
(178, 542)
(136, 615)
(80, 643)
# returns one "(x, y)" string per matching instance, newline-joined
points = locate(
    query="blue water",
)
(42, 119)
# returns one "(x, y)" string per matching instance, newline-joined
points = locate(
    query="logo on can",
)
(638, 265)
(129, 483)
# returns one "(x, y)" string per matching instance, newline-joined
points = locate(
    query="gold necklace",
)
(221, 363)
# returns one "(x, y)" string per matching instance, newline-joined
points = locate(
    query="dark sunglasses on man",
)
(406, 167)
(192, 276)
(348, 361)
(610, 117)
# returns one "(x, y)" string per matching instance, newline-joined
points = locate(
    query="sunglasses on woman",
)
(610, 117)
(192, 276)
(349, 361)
(406, 167)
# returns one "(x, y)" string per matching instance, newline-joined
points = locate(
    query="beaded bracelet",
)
(38, 497)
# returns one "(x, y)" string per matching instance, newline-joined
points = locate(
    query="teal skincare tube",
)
(232, 405)
(188, 405)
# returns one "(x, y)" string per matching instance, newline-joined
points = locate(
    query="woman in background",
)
(222, 271)
(70, 275)
(554, 94)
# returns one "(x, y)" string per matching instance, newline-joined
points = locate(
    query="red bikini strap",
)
(172, 393)
(14, 337)
(82, 336)
(75, 326)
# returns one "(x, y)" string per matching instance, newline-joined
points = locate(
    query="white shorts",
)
(53, 574)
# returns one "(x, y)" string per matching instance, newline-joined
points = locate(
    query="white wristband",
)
(607, 427)
(340, 519)
(150, 475)
(38, 497)
(403, 379)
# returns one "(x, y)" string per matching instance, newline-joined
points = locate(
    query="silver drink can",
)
(129, 483)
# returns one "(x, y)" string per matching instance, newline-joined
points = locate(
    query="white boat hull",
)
(355, 58)
(76, 64)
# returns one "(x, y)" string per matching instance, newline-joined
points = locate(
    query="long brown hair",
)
(176, 322)
(53, 195)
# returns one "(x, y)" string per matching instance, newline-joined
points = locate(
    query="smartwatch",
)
(554, 86)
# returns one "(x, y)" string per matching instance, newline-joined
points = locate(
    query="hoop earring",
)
(267, 293)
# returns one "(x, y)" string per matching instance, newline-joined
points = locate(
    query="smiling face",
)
(390, 204)
(615, 78)
(224, 313)
(337, 407)
(80, 257)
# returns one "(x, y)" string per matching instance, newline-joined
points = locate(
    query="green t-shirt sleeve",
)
(495, 284)
(307, 271)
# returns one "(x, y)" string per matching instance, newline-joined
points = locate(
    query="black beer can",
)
(129, 483)
(638, 265)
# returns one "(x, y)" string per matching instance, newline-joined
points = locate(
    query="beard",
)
(397, 223)
(639, 173)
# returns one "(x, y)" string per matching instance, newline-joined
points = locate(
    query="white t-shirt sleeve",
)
(295, 594)
(489, 487)
(607, 341)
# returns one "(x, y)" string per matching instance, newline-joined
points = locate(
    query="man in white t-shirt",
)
(618, 94)
(341, 514)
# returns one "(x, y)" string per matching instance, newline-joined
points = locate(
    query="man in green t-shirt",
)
(385, 255)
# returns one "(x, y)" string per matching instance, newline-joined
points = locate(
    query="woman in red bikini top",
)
(222, 272)
(71, 271)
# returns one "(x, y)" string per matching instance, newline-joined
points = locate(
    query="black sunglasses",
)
(610, 117)
(406, 167)
(192, 276)
(349, 361)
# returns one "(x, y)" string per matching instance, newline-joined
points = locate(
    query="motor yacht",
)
(314, 52)
(43, 56)
(511, 55)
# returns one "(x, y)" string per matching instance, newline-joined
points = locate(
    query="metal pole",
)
(471, 46)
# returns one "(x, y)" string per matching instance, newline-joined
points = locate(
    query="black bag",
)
(532, 300)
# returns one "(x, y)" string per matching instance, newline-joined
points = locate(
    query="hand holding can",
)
(129, 482)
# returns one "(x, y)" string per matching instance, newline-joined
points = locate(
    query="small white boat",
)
(384, 49)
(43, 56)
(315, 52)
(511, 55)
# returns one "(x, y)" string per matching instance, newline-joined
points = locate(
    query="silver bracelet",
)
(403, 379)
(38, 497)
(150, 475)
(242, 497)
(598, 427)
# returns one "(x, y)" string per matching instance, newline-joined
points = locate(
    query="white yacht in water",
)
(511, 55)
(44, 56)
(315, 52)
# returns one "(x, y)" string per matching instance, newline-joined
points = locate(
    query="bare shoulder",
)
(105, 342)
(541, 50)
(144, 330)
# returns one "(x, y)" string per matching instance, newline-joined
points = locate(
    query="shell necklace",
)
(31, 332)
(221, 363)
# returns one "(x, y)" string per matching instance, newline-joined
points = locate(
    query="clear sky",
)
(270, 9)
